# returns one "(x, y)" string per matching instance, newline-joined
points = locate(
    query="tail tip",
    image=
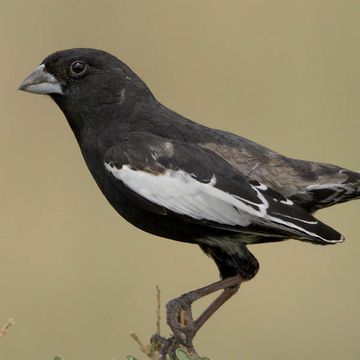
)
(336, 241)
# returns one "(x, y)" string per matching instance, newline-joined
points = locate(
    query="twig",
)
(158, 308)
(154, 355)
(148, 349)
(143, 348)
(157, 343)
(5, 328)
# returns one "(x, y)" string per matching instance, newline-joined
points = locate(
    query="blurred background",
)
(76, 277)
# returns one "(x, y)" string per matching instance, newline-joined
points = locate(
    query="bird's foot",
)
(180, 319)
(168, 346)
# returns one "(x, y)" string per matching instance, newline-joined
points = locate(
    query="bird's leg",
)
(185, 331)
(214, 306)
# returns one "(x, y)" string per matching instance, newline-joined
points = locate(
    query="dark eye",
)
(78, 68)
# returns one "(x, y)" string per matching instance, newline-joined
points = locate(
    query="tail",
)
(323, 185)
(335, 192)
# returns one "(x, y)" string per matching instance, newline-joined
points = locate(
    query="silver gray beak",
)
(41, 82)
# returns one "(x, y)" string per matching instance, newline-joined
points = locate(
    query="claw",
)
(180, 318)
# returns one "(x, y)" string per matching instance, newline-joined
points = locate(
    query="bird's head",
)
(85, 80)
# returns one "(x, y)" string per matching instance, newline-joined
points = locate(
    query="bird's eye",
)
(78, 68)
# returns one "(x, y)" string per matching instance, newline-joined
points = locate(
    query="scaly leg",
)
(185, 333)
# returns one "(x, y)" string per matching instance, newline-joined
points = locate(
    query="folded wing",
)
(199, 186)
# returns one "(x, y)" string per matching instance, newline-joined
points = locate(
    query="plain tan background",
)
(76, 277)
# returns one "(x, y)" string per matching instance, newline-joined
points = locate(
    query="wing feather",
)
(195, 183)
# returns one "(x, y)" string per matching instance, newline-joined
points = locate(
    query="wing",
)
(165, 176)
(311, 185)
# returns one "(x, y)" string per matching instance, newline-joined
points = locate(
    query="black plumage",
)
(181, 180)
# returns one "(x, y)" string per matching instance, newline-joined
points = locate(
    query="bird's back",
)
(312, 185)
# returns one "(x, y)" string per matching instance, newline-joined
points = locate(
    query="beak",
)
(41, 82)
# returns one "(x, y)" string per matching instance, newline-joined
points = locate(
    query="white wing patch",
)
(179, 192)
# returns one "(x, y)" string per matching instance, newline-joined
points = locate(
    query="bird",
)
(181, 180)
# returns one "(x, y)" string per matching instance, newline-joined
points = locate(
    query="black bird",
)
(183, 181)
